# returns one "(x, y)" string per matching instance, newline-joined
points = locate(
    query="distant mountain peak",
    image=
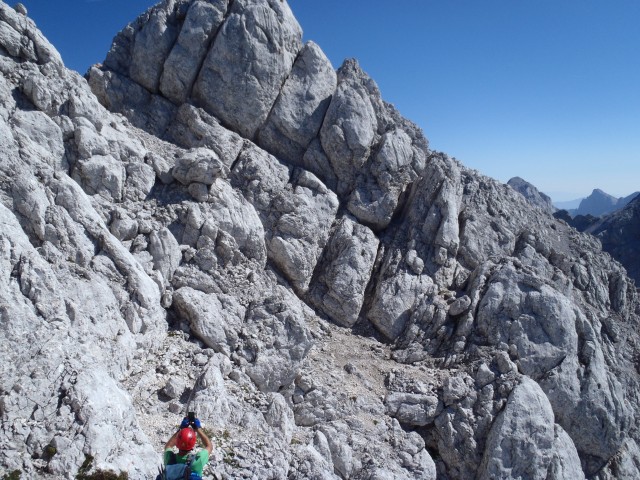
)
(601, 203)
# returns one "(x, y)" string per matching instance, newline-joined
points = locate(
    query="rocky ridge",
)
(619, 233)
(216, 220)
(531, 193)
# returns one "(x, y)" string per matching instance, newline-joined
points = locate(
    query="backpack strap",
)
(187, 471)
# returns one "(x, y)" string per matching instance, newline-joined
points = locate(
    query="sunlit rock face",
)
(215, 220)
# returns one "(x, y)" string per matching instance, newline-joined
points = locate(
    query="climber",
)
(185, 440)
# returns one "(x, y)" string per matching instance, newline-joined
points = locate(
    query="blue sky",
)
(548, 90)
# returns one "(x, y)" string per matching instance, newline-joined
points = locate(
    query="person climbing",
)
(186, 464)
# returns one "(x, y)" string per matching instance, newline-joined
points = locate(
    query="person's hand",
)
(185, 423)
(196, 423)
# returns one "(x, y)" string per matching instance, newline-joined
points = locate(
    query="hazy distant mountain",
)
(532, 194)
(600, 203)
(568, 205)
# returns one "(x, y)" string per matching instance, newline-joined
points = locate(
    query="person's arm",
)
(207, 443)
(172, 441)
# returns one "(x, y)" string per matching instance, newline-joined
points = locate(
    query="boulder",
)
(244, 64)
(344, 272)
(196, 34)
(297, 115)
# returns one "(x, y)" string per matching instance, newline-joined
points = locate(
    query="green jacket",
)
(200, 460)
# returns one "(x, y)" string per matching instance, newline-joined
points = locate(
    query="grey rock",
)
(193, 127)
(243, 63)
(182, 65)
(198, 165)
(350, 125)
(297, 115)
(413, 409)
(119, 93)
(521, 441)
(455, 389)
(199, 191)
(156, 33)
(89, 142)
(162, 167)
(41, 137)
(20, 8)
(296, 214)
(395, 298)
(20, 38)
(174, 387)
(216, 319)
(122, 226)
(101, 175)
(484, 375)
(317, 162)
(281, 341)
(459, 306)
(565, 463)
(280, 416)
(166, 253)
(392, 168)
(339, 288)
(139, 182)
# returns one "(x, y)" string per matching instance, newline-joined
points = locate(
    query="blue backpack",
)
(179, 471)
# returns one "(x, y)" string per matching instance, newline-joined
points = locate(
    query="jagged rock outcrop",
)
(531, 193)
(619, 234)
(215, 220)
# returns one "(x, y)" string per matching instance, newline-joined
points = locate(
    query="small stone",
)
(200, 359)
(174, 387)
(484, 376)
(199, 191)
(460, 306)
(504, 363)
(454, 389)
(350, 368)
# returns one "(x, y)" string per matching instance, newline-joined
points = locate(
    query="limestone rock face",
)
(523, 440)
(342, 279)
(350, 125)
(297, 115)
(182, 65)
(216, 221)
(245, 63)
(295, 207)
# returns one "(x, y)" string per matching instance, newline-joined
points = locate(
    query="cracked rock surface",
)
(216, 221)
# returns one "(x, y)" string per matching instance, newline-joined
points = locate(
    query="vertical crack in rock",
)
(197, 35)
(245, 63)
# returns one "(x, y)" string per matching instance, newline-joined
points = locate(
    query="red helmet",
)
(186, 439)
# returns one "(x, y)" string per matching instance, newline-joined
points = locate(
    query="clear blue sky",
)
(548, 90)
